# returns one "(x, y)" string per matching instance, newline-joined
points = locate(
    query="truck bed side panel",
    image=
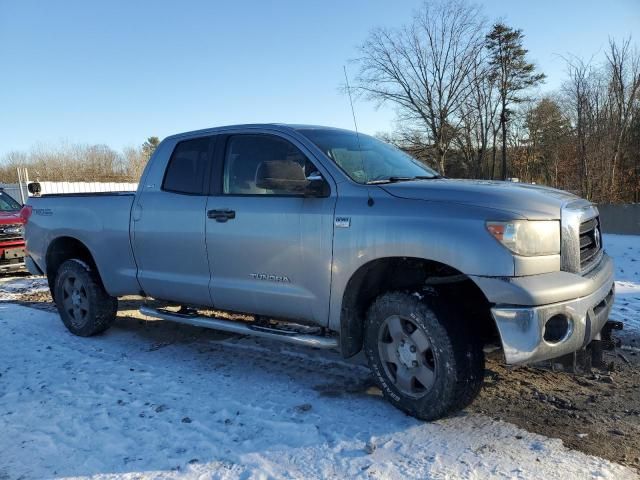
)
(100, 222)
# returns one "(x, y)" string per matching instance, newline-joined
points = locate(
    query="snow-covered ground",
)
(12, 287)
(123, 405)
(625, 250)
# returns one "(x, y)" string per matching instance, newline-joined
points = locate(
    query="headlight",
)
(529, 238)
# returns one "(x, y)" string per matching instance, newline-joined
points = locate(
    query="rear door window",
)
(188, 166)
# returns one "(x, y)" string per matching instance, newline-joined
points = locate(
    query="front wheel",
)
(422, 356)
(85, 307)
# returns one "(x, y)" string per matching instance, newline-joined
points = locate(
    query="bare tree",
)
(479, 113)
(75, 162)
(576, 91)
(135, 159)
(413, 142)
(424, 68)
(624, 88)
(634, 154)
(602, 101)
(548, 133)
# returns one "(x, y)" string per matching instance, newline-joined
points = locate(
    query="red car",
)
(11, 234)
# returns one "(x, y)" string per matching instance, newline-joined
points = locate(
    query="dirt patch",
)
(36, 297)
(598, 414)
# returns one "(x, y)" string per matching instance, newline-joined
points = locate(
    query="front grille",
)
(590, 242)
(13, 231)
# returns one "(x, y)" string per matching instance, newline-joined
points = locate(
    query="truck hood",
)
(533, 202)
(10, 217)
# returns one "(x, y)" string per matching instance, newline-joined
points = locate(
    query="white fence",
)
(13, 189)
(86, 187)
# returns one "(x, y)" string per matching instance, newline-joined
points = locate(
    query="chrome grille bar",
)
(590, 242)
(578, 225)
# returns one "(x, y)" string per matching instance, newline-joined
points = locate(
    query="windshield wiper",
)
(402, 179)
(389, 180)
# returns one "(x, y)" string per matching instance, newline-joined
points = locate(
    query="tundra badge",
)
(270, 277)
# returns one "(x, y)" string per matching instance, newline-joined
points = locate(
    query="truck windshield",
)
(365, 159)
(7, 203)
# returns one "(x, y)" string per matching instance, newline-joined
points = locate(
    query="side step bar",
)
(242, 328)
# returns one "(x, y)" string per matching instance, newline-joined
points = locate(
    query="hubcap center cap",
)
(75, 298)
(408, 354)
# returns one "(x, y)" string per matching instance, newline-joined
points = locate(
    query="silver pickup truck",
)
(337, 240)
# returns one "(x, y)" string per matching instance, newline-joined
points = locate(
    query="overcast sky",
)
(117, 71)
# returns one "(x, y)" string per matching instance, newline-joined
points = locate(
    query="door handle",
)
(222, 215)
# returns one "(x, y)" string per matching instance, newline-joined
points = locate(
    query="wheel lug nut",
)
(413, 349)
(415, 363)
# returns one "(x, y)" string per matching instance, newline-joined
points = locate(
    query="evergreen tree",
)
(512, 72)
(149, 146)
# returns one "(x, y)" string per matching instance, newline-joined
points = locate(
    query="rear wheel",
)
(85, 307)
(422, 356)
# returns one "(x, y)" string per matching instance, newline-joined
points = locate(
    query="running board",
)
(242, 328)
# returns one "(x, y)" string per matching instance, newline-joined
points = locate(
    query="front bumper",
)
(11, 255)
(10, 267)
(522, 328)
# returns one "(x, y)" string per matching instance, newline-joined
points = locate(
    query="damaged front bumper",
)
(533, 333)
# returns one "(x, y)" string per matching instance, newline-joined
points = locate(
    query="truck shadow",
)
(159, 334)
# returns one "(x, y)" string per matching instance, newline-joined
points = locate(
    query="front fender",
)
(450, 234)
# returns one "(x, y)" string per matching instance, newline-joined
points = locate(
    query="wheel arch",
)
(410, 274)
(64, 248)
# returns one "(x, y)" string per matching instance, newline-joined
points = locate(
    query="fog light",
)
(557, 328)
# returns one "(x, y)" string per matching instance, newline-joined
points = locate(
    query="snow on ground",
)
(122, 405)
(118, 406)
(625, 250)
(12, 287)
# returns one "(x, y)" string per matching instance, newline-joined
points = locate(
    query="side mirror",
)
(34, 188)
(317, 186)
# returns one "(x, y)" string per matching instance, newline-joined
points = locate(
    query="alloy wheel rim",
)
(75, 300)
(407, 356)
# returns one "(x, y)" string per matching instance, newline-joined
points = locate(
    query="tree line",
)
(79, 163)
(467, 104)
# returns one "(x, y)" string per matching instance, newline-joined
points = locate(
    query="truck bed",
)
(98, 220)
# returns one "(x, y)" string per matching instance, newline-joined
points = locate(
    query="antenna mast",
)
(355, 124)
(353, 112)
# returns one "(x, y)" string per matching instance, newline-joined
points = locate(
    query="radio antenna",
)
(355, 124)
(353, 111)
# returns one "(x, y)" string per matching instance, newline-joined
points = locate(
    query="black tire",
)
(85, 307)
(454, 356)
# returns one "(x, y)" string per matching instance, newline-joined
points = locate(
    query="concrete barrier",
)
(621, 219)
